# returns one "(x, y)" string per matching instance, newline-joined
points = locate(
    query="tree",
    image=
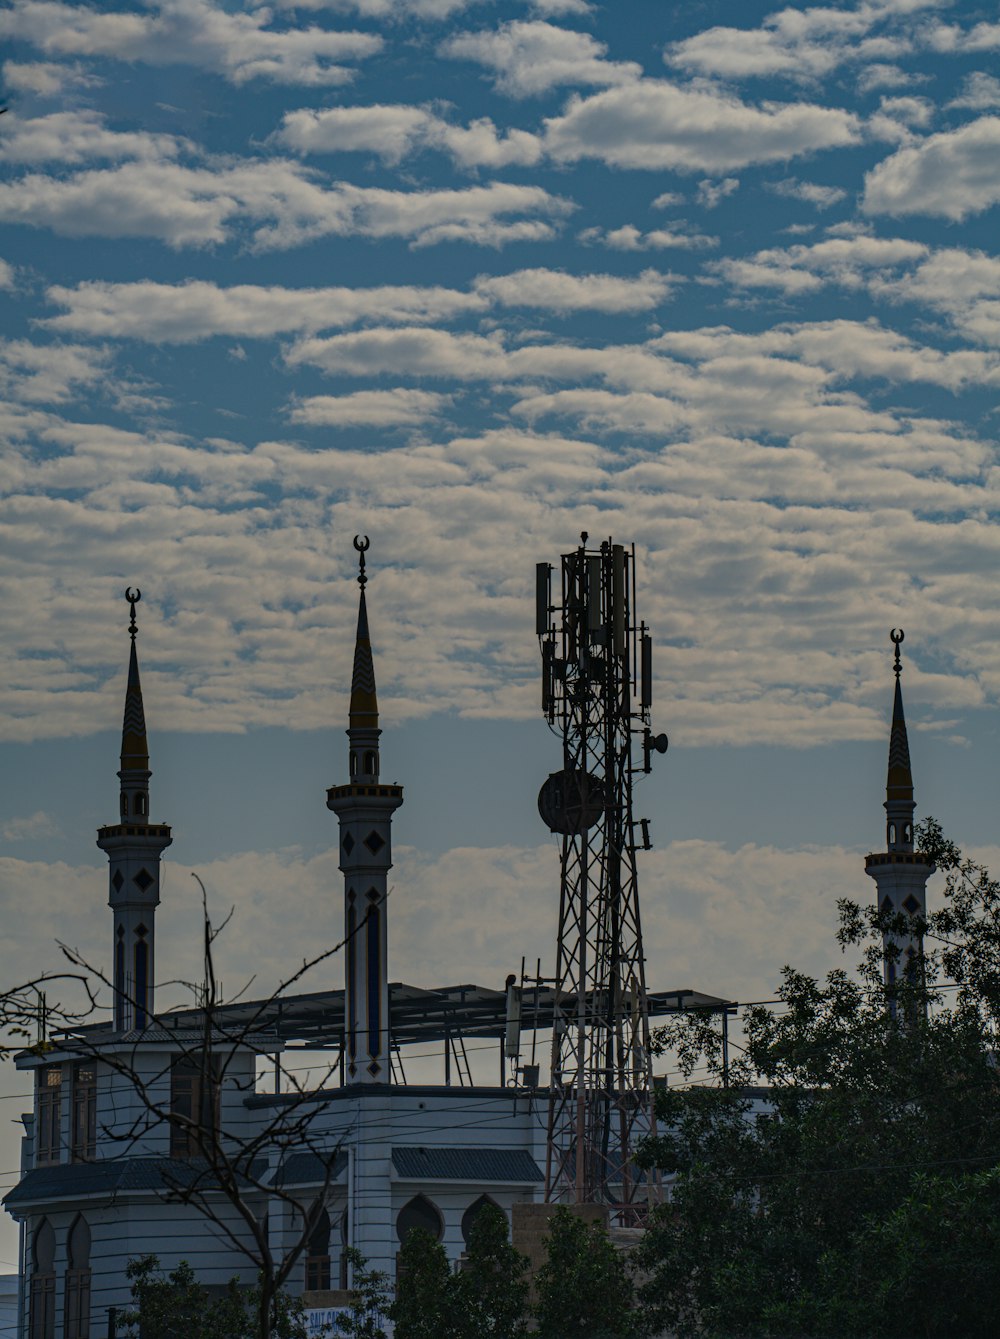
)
(177, 1306)
(853, 1192)
(425, 1290)
(584, 1289)
(369, 1303)
(492, 1290)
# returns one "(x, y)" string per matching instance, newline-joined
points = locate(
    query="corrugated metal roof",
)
(109, 1176)
(307, 1169)
(466, 1164)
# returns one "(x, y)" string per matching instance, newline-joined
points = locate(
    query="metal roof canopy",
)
(316, 1021)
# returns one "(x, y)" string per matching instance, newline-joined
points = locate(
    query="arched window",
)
(318, 1254)
(354, 764)
(371, 764)
(42, 1303)
(419, 1212)
(892, 834)
(472, 1212)
(76, 1311)
(140, 804)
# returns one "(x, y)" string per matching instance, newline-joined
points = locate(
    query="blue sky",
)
(471, 277)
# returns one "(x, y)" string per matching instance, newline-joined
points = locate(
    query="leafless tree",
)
(228, 1175)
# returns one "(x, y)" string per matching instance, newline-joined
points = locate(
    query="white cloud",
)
(390, 131)
(386, 9)
(809, 191)
(45, 78)
(38, 824)
(381, 409)
(896, 117)
(6, 275)
(711, 193)
(659, 125)
(963, 285)
(200, 33)
(953, 40)
(630, 238)
(49, 373)
(980, 92)
(75, 137)
(552, 8)
(198, 206)
(798, 43)
(533, 57)
(953, 174)
(395, 131)
(182, 313)
(880, 75)
(846, 261)
(556, 291)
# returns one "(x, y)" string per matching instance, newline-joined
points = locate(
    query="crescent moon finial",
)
(133, 597)
(896, 637)
(362, 546)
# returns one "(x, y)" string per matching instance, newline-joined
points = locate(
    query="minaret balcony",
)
(119, 833)
(898, 858)
(357, 795)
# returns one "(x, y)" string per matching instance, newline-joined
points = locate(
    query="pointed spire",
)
(899, 805)
(135, 750)
(364, 702)
(899, 781)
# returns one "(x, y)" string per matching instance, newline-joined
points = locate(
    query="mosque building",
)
(139, 1120)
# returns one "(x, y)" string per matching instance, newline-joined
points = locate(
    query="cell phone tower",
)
(597, 693)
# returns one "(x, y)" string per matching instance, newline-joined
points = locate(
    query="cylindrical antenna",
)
(595, 617)
(543, 597)
(512, 1031)
(618, 597)
(646, 698)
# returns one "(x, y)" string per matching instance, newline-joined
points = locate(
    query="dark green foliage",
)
(856, 1193)
(425, 1295)
(485, 1300)
(370, 1300)
(177, 1306)
(584, 1288)
(491, 1290)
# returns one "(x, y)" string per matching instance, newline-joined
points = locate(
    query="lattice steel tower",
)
(597, 692)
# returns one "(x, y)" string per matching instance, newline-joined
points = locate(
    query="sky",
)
(719, 279)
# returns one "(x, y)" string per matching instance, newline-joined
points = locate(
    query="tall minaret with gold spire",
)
(133, 847)
(365, 807)
(900, 872)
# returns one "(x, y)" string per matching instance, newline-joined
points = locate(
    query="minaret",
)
(900, 873)
(133, 847)
(365, 808)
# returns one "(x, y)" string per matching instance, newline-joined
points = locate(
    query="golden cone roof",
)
(135, 750)
(364, 701)
(899, 781)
